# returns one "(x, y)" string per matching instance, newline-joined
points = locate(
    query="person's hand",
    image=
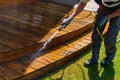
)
(102, 21)
(66, 21)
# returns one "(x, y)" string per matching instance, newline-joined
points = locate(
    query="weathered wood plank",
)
(19, 67)
(8, 73)
(21, 29)
(47, 59)
(44, 60)
(2, 78)
(4, 49)
(16, 38)
(54, 56)
(25, 32)
(41, 11)
(10, 44)
(68, 49)
(31, 62)
(53, 6)
(7, 56)
(30, 19)
(9, 3)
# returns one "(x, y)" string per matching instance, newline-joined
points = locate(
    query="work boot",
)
(90, 62)
(105, 62)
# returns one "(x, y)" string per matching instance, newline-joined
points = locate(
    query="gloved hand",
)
(65, 22)
(102, 21)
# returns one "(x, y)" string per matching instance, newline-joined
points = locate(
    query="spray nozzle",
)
(61, 27)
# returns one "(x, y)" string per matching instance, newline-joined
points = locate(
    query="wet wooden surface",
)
(25, 25)
(34, 65)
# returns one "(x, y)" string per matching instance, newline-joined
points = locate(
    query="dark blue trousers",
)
(109, 38)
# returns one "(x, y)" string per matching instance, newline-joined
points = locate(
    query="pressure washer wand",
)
(61, 27)
(49, 40)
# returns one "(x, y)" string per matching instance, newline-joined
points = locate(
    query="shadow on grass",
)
(107, 73)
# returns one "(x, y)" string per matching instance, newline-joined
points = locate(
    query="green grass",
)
(75, 70)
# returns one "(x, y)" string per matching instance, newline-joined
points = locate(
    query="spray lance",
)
(39, 51)
(61, 27)
(64, 24)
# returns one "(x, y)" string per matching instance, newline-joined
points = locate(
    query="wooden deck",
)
(26, 25)
(23, 28)
(34, 65)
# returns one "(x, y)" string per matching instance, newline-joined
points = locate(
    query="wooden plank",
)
(85, 15)
(24, 34)
(30, 32)
(24, 17)
(43, 12)
(54, 56)
(68, 49)
(8, 73)
(29, 19)
(16, 38)
(50, 33)
(2, 78)
(47, 59)
(10, 44)
(7, 56)
(82, 44)
(34, 64)
(86, 41)
(19, 67)
(4, 49)
(59, 50)
(73, 26)
(38, 57)
(8, 3)
(88, 37)
(77, 44)
(53, 6)
(42, 6)
(40, 11)
(44, 60)
(31, 62)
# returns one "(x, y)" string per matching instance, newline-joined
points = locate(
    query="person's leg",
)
(110, 40)
(96, 39)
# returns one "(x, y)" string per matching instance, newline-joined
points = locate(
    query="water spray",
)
(39, 51)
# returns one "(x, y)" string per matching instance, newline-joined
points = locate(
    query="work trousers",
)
(110, 37)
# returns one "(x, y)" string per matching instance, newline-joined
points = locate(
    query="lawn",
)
(75, 70)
